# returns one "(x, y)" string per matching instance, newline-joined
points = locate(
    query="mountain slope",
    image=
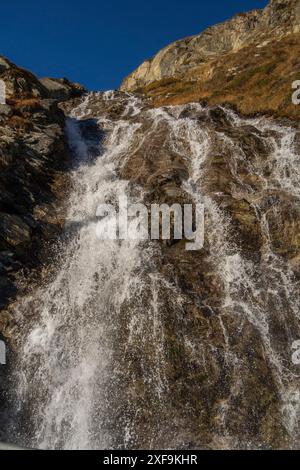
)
(249, 62)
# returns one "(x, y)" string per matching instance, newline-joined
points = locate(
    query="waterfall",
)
(68, 353)
(131, 344)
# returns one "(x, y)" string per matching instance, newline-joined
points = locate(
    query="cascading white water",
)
(68, 352)
(94, 367)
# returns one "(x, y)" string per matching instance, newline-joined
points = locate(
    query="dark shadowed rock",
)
(33, 164)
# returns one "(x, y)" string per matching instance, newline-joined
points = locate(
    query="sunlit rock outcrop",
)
(249, 62)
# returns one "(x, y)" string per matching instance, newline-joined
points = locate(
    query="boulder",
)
(62, 89)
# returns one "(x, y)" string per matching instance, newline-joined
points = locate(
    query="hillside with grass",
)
(249, 62)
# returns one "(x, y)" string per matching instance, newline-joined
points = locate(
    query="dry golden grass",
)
(19, 123)
(32, 103)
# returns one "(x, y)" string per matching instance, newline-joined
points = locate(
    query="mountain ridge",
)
(248, 62)
(283, 16)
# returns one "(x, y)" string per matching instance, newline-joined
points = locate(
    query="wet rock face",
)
(34, 159)
(214, 370)
(33, 162)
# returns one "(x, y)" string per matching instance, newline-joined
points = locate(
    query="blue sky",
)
(97, 43)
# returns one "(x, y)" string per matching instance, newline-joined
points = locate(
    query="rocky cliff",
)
(33, 164)
(249, 61)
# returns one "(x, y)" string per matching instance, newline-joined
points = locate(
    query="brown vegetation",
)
(252, 80)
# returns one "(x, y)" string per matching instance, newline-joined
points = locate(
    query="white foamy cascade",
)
(67, 356)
